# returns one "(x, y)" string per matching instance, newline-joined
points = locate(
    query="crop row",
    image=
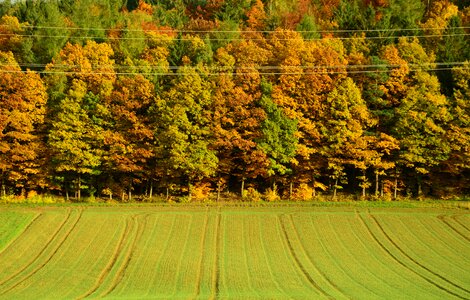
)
(223, 253)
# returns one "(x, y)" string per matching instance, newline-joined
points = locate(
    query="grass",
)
(297, 251)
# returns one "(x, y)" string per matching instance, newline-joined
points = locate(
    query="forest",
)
(265, 99)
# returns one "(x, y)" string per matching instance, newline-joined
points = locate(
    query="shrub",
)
(201, 191)
(252, 194)
(303, 193)
(271, 194)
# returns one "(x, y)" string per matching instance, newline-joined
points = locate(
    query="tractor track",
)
(395, 258)
(49, 257)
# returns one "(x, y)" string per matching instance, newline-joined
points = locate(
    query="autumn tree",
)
(128, 137)
(237, 113)
(278, 141)
(342, 131)
(22, 109)
(81, 77)
(182, 128)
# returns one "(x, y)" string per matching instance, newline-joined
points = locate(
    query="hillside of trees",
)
(122, 98)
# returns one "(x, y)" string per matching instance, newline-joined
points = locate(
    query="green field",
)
(215, 252)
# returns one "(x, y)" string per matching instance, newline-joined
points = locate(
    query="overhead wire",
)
(217, 73)
(235, 31)
(261, 67)
(233, 39)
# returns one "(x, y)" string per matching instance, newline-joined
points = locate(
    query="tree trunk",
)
(111, 196)
(151, 189)
(189, 191)
(3, 192)
(67, 194)
(243, 188)
(363, 184)
(420, 191)
(382, 189)
(123, 194)
(218, 189)
(314, 193)
(395, 188)
(376, 183)
(130, 192)
(335, 188)
(167, 193)
(79, 187)
(290, 190)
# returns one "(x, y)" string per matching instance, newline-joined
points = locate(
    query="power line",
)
(218, 73)
(236, 31)
(234, 39)
(58, 66)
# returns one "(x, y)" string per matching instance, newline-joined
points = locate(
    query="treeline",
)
(116, 98)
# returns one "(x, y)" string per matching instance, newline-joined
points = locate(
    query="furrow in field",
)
(177, 285)
(281, 263)
(24, 230)
(142, 276)
(334, 261)
(235, 279)
(201, 261)
(215, 286)
(21, 245)
(168, 267)
(41, 260)
(401, 278)
(414, 260)
(261, 278)
(312, 238)
(370, 282)
(127, 256)
(454, 227)
(299, 263)
(419, 239)
(398, 260)
(81, 259)
(456, 219)
(441, 229)
(453, 242)
(264, 258)
(189, 256)
(163, 247)
(111, 263)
